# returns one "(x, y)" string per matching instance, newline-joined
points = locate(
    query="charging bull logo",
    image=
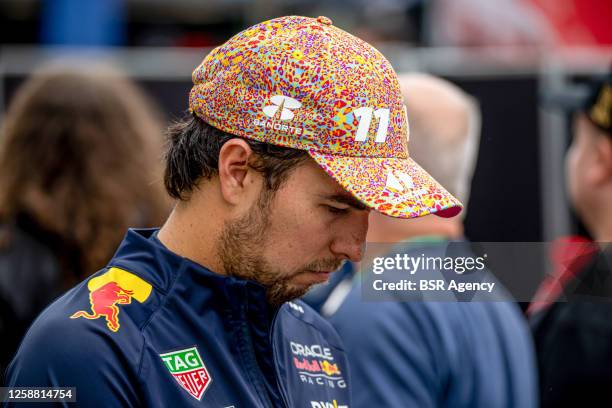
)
(115, 287)
(330, 369)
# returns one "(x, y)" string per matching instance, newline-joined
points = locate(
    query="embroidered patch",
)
(187, 367)
(112, 288)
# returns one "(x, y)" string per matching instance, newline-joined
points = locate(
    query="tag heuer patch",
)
(187, 367)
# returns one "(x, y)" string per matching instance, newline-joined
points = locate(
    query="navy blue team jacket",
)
(155, 329)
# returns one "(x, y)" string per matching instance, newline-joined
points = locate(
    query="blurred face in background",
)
(586, 169)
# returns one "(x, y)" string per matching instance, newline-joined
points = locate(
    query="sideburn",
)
(240, 251)
(240, 242)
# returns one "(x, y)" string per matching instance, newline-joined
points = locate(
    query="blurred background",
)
(512, 55)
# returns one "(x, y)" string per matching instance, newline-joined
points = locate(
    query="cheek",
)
(574, 171)
(296, 236)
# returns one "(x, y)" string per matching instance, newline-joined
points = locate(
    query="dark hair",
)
(79, 156)
(193, 150)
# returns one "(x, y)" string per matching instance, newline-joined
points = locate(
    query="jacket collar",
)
(145, 255)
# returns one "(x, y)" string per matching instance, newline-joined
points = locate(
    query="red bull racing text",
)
(315, 365)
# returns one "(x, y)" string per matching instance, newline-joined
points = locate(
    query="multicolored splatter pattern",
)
(301, 82)
(413, 192)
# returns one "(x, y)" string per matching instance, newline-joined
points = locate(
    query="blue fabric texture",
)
(197, 339)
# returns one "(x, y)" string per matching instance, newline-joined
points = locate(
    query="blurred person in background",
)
(573, 336)
(436, 353)
(80, 162)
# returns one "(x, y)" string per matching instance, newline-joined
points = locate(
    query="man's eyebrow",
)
(347, 199)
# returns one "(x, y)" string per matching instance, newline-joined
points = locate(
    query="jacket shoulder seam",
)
(166, 296)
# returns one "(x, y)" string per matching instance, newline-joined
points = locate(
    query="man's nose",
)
(349, 243)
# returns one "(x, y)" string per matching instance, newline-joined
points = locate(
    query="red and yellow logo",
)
(115, 287)
(330, 369)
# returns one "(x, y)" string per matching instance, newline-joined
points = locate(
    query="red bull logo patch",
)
(115, 287)
(315, 365)
(187, 367)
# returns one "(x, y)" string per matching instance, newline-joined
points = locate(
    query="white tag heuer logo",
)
(284, 105)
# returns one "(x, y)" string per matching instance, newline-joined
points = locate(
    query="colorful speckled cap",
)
(300, 82)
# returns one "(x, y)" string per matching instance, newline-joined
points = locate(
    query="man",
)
(200, 311)
(573, 338)
(433, 353)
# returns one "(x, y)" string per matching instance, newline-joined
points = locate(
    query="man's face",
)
(295, 237)
(578, 163)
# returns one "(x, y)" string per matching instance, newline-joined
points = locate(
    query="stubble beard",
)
(240, 251)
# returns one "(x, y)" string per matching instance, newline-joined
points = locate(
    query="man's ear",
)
(234, 169)
(602, 172)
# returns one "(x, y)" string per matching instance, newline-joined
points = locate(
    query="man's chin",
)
(277, 295)
(310, 278)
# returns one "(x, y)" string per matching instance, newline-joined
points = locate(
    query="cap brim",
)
(395, 187)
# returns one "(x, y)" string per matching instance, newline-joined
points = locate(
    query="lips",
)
(320, 276)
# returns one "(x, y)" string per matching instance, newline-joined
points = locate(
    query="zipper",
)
(275, 357)
(248, 352)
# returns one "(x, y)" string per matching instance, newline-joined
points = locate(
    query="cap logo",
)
(400, 182)
(282, 107)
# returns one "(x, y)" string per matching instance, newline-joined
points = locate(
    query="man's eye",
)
(336, 210)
